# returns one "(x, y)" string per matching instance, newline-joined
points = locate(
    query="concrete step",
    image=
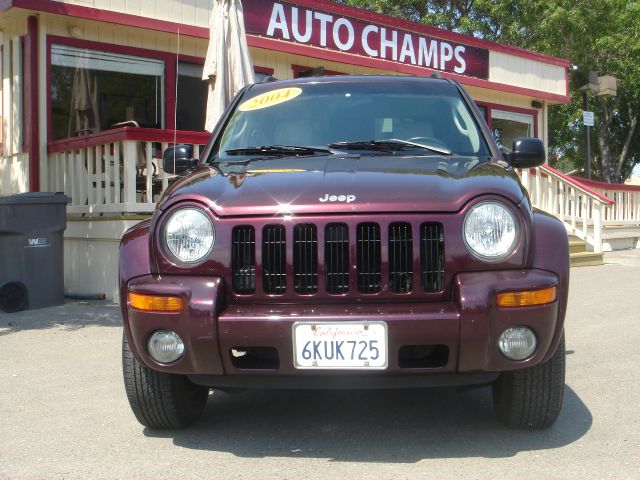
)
(584, 259)
(577, 246)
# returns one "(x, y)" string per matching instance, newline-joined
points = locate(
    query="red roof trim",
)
(88, 13)
(31, 98)
(609, 186)
(388, 65)
(128, 133)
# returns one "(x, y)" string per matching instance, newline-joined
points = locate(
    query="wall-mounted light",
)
(75, 31)
(536, 104)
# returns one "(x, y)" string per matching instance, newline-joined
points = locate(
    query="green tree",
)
(598, 35)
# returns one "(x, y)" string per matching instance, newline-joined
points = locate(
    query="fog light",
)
(517, 343)
(165, 346)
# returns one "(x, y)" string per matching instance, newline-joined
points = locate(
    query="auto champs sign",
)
(311, 26)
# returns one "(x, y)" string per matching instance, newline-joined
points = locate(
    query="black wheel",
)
(160, 400)
(531, 398)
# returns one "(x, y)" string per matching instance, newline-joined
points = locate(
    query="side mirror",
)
(527, 153)
(178, 159)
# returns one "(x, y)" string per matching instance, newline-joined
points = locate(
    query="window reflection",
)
(93, 91)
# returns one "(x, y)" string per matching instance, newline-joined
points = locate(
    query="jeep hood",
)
(344, 184)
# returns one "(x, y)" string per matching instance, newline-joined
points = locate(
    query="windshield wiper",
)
(277, 150)
(391, 144)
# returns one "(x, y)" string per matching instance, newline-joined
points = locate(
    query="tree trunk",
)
(612, 166)
(607, 162)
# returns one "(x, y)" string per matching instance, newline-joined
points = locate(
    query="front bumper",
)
(469, 326)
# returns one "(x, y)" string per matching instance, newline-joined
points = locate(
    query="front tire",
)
(160, 400)
(531, 398)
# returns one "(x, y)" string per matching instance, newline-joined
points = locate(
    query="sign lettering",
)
(308, 26)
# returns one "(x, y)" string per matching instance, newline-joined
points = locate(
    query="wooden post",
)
(149, 176)
(129, 163)
(597, 227)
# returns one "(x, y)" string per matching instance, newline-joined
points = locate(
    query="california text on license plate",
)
(361, 345)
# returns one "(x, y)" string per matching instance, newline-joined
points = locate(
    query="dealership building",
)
(92, 92)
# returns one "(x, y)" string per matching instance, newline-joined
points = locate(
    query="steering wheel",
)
(431, 141)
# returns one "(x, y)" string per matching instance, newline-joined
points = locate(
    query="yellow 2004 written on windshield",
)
(269, 99)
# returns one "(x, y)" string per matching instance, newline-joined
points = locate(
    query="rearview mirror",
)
(527, 153)
(178, 159)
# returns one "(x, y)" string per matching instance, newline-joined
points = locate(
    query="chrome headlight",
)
(490, 230)
(189, 234)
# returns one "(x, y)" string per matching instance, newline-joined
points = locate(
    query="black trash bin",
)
(31, 250)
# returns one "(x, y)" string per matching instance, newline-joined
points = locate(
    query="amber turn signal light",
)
(527, 298)
(155, 303)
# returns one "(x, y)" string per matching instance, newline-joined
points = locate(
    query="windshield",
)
(423, 118)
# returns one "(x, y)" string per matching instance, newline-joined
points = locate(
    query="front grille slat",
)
(368, 258)
(400, 258)
(432, 257)
(243, 259)
(274, 276)
(336, 258)
(305, 258)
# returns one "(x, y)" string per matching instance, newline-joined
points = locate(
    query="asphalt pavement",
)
(64, 414)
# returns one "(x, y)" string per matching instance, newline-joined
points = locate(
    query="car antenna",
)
(436, 75)
(175, 105)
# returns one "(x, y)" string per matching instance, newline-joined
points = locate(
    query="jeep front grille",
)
(336, 258)
(274, 265)
(369, 263)
(305, 258)
(328, 258)
(400, 258)
(431, 257)
(243, 259)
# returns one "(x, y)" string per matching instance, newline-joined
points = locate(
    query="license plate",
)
(348, 346)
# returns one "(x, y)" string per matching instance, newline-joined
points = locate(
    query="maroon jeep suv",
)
(346, 232)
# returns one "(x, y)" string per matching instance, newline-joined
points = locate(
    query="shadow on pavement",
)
(71, 316)
(401, 426)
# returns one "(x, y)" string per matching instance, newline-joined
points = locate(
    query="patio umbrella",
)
(228, 66)
(84, 116)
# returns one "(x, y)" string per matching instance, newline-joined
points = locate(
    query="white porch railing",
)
(116, 171)
(626, 211)
(582, 209)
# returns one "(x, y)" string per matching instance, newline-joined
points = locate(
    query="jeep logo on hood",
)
(337, 198)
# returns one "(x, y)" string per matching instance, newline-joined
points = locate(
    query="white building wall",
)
(187, 12)
(121, 35)
(527, 73)
(14, 162)
(91, 254)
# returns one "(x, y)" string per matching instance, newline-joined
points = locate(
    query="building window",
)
(262, 73)
(300, 71)
(191, 108)
(95, 90)
(506, 126)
